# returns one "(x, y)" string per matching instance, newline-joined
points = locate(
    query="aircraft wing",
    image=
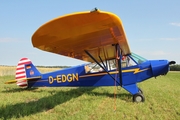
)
(72, 34)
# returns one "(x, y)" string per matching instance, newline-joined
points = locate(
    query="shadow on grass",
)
(46, 103)
(123, 96)
(10, 90)
(32, 107)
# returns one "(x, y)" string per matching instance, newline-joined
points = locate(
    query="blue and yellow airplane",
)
(97, 37)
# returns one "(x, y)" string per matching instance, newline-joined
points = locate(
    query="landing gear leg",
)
(140, 90)
(136, 92)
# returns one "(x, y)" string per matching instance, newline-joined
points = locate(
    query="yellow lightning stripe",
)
(136, 70)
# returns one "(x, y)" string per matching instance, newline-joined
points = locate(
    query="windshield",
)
(138, 59)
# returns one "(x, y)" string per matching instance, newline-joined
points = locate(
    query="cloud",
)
(5, 40)
(175, 24)
(170, 39)
(159, 53)
(162, 39)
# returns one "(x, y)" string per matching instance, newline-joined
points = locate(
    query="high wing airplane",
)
(97, 37)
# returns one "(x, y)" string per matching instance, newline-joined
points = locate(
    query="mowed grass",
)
(93, 103)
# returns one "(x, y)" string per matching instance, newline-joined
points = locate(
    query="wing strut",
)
(101, 66)
(103, 63)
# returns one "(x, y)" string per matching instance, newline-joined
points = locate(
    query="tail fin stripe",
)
(20, 71)
(20, 67)
(24, 59)
(21, 75)
(24, 63)
(22, 84)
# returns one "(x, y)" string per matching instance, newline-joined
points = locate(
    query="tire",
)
(138, 98)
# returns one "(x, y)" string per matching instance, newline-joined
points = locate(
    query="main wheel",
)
(138, 97)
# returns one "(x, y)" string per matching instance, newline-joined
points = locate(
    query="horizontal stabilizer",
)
(14, 81)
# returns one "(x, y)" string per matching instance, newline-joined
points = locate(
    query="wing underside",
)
(72, 34)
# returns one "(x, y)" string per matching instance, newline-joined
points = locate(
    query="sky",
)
(152, 27)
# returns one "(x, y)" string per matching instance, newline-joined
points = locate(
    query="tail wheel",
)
(138, 97)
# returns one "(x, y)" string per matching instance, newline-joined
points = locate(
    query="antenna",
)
(94, 10)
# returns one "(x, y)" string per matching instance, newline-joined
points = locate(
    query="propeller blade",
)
(172, 62)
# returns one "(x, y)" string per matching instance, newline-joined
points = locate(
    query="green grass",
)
(162, 102)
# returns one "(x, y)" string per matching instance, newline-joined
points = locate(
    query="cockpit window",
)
(138, 59)
(126, 61)
(94, 67)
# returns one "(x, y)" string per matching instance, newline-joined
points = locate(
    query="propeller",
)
(172, 62)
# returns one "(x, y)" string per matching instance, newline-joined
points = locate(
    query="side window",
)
(131, 62)
(112, 64)
(127, 62)
(93, 67)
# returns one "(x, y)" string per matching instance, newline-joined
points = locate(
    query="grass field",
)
(162, 102)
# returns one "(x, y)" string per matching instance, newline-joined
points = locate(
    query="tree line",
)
(175, 67)
(53, 66)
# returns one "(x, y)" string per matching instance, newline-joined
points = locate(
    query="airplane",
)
(97, 37)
